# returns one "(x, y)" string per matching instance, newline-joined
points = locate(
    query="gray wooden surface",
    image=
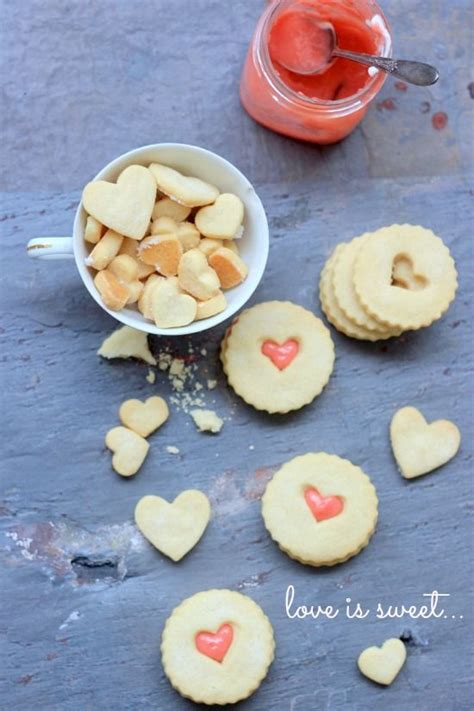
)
(83, 597)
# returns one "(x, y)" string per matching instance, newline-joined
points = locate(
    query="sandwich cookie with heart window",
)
(217, 647)
(320, 509)
(277, 356)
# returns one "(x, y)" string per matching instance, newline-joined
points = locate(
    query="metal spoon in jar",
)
(417, 73)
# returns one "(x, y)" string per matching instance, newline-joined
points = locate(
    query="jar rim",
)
(286, 92)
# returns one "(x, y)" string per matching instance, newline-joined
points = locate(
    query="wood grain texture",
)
(83, 596)
(82, 637)
(88, 80)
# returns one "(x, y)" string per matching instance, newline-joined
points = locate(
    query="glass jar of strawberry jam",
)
(324, 107)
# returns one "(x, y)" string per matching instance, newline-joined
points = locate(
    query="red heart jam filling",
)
(323, 507)
(281, 355)
(215, 644)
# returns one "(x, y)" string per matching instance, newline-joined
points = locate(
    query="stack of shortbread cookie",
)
(397, 279)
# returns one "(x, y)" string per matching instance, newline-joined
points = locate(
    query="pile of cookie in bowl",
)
(174, 254)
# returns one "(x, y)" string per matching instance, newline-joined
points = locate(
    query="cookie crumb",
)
(207, 421)
(211, 384)
(164, 361)
(177, 367)
(151, 377)
(172, 450)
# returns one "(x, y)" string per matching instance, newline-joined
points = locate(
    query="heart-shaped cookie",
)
(215, 644)
(420, 447)
(192, 192)
(164, 251)
(196, 276)
(144, 417)
(114, 294)
(145, 302)
(229, 267)
(322, 507)
(104, 251)
(126, 269)
(170, 307)
(124, 206)
(382, 664)
(188, 235)
(173, 528)
(211, 307)
(166, 207)
(129, 449)
(281, 354)
(223, 220)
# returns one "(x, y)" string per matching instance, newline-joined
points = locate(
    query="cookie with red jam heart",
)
(217, 647)
(320, 509)
(277, 356)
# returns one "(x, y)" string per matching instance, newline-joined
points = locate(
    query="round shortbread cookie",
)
(278, 356)
(217, 647)
(343, 286)
(404, 276)
(333, 312)
(320, 509)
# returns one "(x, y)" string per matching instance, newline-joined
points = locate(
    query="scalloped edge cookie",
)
(397, 307)
(234, 677)
(343, 285)
(256, 378)
(291, 523)
(334, 314)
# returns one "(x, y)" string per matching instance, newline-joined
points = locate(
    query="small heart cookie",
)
(144, 417)
(93, 230)
(130, 450)
(196, 276)
(420, 447)
(188, 235)
(166, 207)
(230, 268)
(223, 220)
(105, 250)
(164, 251)
(211, 307)
(191, 192)
(208, 246)
(130, 247)
(170, 307)
(173, 528)
(164, 226)
(114, 294)
(125, 206)
(145, 302)
(125, 268)
(382, 664)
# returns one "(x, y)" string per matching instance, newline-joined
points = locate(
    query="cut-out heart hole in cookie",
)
(215, 644)
(404, 277)
(322, 507)
(281, 355)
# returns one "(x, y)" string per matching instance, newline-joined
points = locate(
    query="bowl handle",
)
(50, 248)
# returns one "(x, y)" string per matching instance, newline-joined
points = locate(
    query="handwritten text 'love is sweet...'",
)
(430, 608)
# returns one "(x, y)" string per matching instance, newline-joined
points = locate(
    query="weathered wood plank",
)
(78, 637)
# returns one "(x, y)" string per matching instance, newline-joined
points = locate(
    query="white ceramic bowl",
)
(194, 161)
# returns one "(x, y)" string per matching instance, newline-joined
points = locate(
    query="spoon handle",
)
(417, 73)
